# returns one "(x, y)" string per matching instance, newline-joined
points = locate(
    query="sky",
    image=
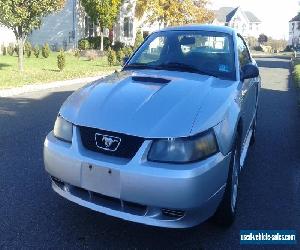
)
(274, 14)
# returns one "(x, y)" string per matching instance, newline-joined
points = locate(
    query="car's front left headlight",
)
(63, 129)
(184, 150)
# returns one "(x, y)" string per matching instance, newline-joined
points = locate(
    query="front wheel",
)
(226, 211)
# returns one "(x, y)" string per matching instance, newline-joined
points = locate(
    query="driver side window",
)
(243, 52)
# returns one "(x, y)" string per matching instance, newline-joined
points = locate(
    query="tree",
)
(139, 39)
(23, 16)
(262, 39)
(102, 12)
(174, 12)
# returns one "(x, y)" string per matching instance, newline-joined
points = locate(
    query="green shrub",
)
(83, 44)
(61, 60)
(106, 43)
(28, 49)
(118, 46)
(11, 49)
(139, 39)
(46, 50)
(120, 56)
(77, 53)
(36, 51)
(111, 57)
(258, 48)
(94, 43)
(128, 51)
(4, 50)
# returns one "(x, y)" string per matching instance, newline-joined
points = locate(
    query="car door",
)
(249, 90)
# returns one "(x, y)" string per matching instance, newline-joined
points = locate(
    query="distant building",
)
(65, 28)
(294, 31)
(245, 22)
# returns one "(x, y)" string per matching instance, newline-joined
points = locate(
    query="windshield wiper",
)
(184, 67)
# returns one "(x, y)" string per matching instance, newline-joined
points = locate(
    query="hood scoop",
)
(150, 79)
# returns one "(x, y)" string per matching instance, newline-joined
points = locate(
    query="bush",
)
(139, 39)
(36, 51)
(258, 48)
(83, 44)
(4, 50)
(11, 49)
(111, 57)
(288, 48)
(127, 51)
(94, 43)
(28, 49)
(61, 60)
(120, 56)
(77, 53)
(118, 46)
(46, 50)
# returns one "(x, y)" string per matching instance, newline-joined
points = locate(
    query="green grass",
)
(42, 70)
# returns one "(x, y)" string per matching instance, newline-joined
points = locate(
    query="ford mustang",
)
(163, 141)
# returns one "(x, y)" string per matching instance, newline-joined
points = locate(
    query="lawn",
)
(42, 70)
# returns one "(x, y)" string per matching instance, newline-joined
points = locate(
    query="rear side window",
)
(243, 52)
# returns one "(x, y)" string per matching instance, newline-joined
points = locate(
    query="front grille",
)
(121, 145)
(102, 200)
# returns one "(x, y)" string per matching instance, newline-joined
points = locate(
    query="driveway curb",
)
(44, 86)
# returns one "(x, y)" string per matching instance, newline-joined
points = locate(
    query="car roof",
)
(203, 27)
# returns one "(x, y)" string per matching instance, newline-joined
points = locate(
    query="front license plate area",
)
(101, 180)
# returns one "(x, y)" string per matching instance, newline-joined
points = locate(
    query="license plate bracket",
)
(102, 180)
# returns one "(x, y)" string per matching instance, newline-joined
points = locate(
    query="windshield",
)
(208, 53)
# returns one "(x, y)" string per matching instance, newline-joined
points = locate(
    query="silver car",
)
(163, 141)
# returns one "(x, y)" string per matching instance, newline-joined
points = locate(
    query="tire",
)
(226, 211)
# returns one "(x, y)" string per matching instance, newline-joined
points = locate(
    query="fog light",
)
(173, 213)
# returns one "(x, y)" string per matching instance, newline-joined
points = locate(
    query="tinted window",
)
(209, 53)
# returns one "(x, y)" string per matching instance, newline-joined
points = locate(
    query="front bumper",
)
(164, 195)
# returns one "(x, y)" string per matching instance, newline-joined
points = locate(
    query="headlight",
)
(184, 150)
(63, 129)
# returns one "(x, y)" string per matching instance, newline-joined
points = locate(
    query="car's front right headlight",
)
(63, 129)
(184, 150)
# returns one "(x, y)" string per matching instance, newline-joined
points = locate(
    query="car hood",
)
(149, 103)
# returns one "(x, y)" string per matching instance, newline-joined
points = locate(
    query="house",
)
(244, 21)
(294, 31)
(6, 37)
(65, 28)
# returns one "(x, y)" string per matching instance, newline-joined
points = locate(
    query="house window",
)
(128, 27)
(250, 26)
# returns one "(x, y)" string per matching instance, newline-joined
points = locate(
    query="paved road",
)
(32, 216)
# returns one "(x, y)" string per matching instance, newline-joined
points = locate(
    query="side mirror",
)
(125, 59)
(249, 71)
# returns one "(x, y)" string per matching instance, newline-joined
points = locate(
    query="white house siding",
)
(240, 22)
(238, 19)
(61, 29)
(127, 10)
(6, 36)
(294, 33)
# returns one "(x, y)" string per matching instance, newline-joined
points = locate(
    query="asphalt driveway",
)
(33, 216)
